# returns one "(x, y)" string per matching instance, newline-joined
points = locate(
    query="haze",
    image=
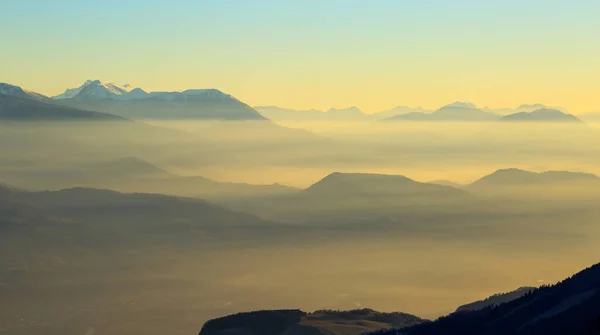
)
(164, 164)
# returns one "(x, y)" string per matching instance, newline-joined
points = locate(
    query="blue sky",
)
(371, 53)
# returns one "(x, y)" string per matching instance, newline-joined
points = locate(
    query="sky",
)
(374, 54)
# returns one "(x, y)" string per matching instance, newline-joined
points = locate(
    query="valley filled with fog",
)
(222, 216)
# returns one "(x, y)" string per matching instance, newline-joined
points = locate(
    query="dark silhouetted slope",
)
(571, 307)
(495, 300)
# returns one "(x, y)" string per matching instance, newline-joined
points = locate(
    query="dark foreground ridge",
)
(297, 322)
(571, 307)
(496, 299)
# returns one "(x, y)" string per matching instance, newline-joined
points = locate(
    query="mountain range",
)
(352, 113)
(468, 112)
(110, 217)
(457, 111)
(136, 103)
(363, 198)
(210, 104)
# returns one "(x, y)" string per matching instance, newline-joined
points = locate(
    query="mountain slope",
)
(495, 300)
(140, 217)
(136, 103)
(571, 307)
(18, 92)
(19, 109)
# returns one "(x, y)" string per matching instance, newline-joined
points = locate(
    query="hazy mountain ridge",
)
(345, 114)
(518, 176)
(343, 184)
(286, 114)
(347, 198)
(125, 218)
(13, 108)
(541, 115)
(563, 188)
(527, 108)
(457, 111)
(132, 174)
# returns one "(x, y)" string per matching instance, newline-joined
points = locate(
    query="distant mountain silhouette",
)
(513, 176)
(39, 228)
(446, 183)
(364, 184)
(562, 186)
(348, 114)
(398, 110)
(457, 111)
(352, 112)
(153, 213)
(571, 307)
(360, 198)
(287, 114)
(522, 108)
(541, 115)
(296, 322)
(19, 109)
(135, 103)
(412, 116)
(495, 300)
(128, 166)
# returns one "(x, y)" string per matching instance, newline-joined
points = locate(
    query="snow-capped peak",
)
(20, 92)
(96, 89)
(72, 92)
